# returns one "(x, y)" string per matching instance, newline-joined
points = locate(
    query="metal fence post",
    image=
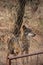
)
(37, 60)
(9, 62)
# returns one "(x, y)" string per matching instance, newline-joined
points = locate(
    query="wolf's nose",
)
(34, 34)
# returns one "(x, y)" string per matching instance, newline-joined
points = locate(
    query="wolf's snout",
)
(33, 35)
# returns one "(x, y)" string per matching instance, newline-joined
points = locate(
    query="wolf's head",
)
(28, 31)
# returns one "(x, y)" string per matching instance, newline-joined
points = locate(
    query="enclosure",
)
(32, 17)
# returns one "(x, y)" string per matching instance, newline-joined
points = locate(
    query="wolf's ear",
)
(24, 27)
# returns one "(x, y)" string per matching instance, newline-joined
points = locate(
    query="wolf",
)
(25, 45)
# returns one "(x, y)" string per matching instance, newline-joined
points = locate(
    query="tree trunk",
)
(20, 15)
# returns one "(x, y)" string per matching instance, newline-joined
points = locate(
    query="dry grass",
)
(7, 20)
